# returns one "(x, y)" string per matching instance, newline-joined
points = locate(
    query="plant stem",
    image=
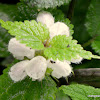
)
(71, 9)
(90, 76)
(90, 41)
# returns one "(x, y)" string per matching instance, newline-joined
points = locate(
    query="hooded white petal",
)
(36, 68)
(45, 18)
(67, 61)
(20, 50)
(78, 60)
(60, 69)
(59, 28)
(17, 71)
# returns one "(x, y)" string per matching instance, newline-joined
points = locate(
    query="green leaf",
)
(26, 89)
(78, 20)
(4, 39)
(46, 3)
(63, 47)
(96, 45)
(93, 18)
(28, 12)
(5, 15)
(25, 11)
(61, 96)
(80, 92)
(93, 24)
(31, 33)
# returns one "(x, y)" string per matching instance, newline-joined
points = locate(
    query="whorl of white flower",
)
(45, 18)
(60, 69)
(59, 28)
(19, 50)
(78, 60)
(36, 68)
(17, 71)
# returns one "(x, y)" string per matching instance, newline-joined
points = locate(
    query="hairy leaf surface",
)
(31, 33)
(93, 24)
(63, 47)
(80, 92)
(46, 3)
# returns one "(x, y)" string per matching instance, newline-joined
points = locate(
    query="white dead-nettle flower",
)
(78, 60)
(17, 71)
(36, 68)
(67, 61)
(45, 18)
(57, 28)
(19, 50)
(60, 69)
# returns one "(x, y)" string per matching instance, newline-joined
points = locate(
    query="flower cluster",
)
(36, 67)
(57, 28)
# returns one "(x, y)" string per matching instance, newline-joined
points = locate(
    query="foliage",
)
(5, 15)
(80, 92)
(96, 44)
(93, 24)
(61, 96)
(79, 20)
(4, 38)
(46, 3)
(86, 23)
(29, 32)
(63, 47)
(26, 89)
(34, 34)
(25, 12)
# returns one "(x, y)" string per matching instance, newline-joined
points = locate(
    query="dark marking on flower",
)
(68, 46)
(52, 61)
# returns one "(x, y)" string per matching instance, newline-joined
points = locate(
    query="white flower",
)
(60, 69)
(19, 50)
(17, 71)
(36, 68)
(57, 28)
(78, 60)
(45, 18)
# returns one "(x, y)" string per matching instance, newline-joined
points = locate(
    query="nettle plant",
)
(44, 49)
